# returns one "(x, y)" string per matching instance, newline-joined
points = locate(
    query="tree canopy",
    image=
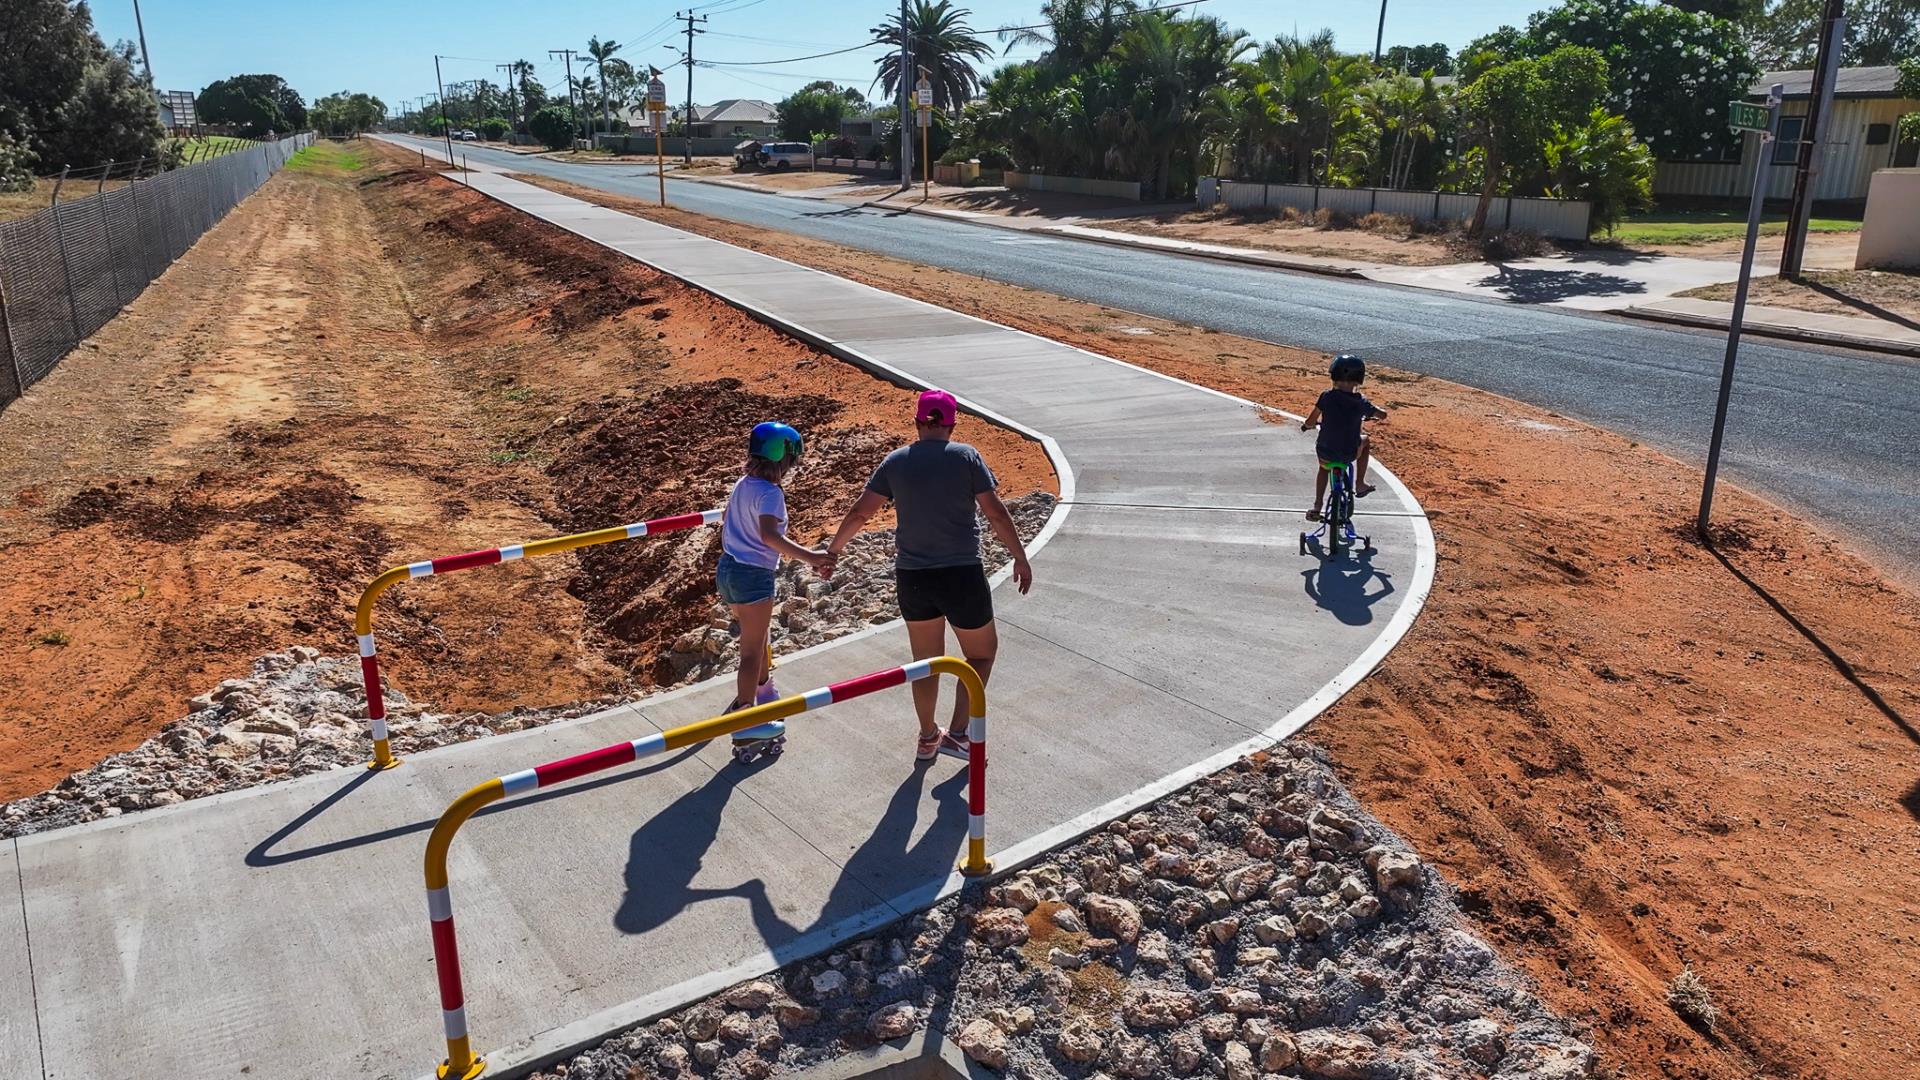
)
(1879, 32)
(811, 111)
(346, 113)
(66, 98)
(1670, 72)
(254, 104)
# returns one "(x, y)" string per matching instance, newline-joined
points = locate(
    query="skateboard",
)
(754, 743)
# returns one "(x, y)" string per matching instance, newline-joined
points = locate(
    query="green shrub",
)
(493, 128)
(553, 126)
(16, 165)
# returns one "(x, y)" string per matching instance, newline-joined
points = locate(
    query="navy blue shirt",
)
(932, 485)
(1341, 412)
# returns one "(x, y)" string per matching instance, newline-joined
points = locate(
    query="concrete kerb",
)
(547, 1048)
(1772, 330)
(1250, 258)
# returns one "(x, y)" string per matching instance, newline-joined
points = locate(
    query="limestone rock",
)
(981, 1041)
(1117, 917)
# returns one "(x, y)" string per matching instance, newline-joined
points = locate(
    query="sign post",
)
(923, 105)
(657, 110)
(1765, 121)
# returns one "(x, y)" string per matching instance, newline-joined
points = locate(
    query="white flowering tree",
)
(1670, 72)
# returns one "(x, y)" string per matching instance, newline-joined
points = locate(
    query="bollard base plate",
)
(375, 766)
(445, 1070)
(983, 870)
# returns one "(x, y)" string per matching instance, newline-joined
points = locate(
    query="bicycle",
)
(1336, 523)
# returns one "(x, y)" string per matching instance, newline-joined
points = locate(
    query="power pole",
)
(1380, 35)
(445, 130)
(569, 54)
(141, 29)
(906, 90)
(513, 102)
(690, 19)
(1826, 69)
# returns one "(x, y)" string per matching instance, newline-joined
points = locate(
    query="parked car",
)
(466, 135)
(782, 156)
(746, 154)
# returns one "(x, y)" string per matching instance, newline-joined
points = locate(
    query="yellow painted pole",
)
(926, 159)
(659, 159)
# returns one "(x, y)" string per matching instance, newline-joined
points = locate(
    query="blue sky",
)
(387, 48)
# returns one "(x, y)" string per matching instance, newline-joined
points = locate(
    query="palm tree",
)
(602, 51)
(939, 39)
(1077, 33)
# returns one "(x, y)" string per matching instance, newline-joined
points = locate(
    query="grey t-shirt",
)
(932, 484)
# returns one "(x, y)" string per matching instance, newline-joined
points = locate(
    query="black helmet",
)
(1348, 368)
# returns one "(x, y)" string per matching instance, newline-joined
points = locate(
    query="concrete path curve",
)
(1173, 627)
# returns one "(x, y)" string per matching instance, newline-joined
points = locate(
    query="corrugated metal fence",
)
(66, 270)
(1565, 219)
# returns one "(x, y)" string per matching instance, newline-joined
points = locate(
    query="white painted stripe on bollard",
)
(508, 554)
(419, 569)
(366, 644)
(918, 670)
(455, 1021)
(524, 780)
(649, 746)
(439, 905)
(818, 697)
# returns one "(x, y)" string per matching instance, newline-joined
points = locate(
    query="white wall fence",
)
(1074, 185)
(1564, 219)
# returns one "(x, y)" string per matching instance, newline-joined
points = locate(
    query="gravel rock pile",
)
(296, 713)
(299, 712)
(1256, 925)
(808, 610)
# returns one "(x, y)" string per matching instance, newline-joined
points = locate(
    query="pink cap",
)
(936, 407)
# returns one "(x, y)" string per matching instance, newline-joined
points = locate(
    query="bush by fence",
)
(1564, 219)
(66, 270)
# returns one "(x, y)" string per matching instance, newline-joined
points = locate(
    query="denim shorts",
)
(744, 583)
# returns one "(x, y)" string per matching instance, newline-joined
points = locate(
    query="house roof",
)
(1853, 82)
(735, 111)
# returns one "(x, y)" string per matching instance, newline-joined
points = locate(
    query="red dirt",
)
(355, 370)
(1630, 754)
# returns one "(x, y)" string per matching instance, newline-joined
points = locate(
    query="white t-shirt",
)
(740, 532)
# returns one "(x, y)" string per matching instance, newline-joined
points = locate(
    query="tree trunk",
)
(1492, 164)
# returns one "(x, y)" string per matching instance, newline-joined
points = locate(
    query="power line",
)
(1128, 15)
(792, 59)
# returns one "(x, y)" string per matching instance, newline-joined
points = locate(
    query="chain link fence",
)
(66, 270)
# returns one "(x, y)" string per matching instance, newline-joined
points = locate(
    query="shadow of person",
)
(890, 863)
(667, 852)
(1341, 587)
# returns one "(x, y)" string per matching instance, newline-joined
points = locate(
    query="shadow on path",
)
(1341, 587)
(1540, 286)
(262, 854)
(668, 852)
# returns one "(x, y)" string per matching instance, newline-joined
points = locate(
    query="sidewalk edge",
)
(1775, 330)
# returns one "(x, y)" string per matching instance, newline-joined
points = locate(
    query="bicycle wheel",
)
(1340, 517)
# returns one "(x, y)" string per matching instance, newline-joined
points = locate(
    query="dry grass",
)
(1692, 1001)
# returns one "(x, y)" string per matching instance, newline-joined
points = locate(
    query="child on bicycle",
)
(1339, 414)
(753, 536)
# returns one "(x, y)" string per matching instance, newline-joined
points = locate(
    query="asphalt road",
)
(1833, 433)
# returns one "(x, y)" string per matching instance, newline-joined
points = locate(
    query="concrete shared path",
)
(282, 931)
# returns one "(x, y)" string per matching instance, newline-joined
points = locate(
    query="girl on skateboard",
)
(753, 537)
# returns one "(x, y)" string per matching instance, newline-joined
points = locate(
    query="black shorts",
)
(958, 594)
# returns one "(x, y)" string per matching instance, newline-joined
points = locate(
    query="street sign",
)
(923, 94)
(1746, 116)
(656, 95)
